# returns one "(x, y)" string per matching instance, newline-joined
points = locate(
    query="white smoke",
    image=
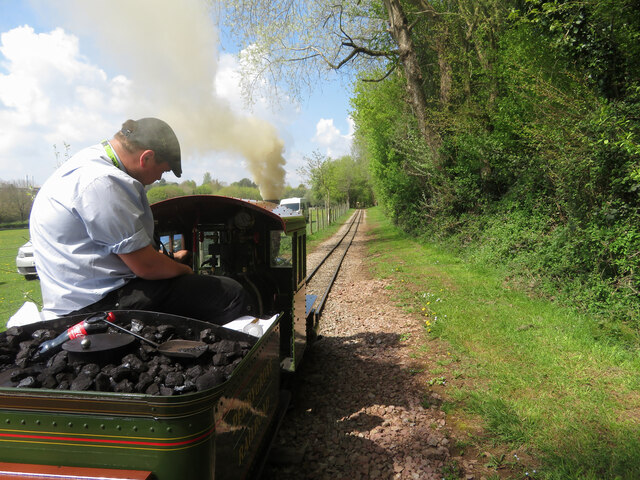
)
(169, 50)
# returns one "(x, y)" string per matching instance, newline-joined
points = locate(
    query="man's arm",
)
(150, 264)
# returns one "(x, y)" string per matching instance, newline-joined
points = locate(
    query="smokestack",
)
(169, 50)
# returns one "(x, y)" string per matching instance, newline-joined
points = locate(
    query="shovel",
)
(170, 348)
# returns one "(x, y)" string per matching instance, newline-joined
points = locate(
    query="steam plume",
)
(169, 49)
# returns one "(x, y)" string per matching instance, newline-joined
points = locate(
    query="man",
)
(92, 231)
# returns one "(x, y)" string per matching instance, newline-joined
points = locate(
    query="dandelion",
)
(423, 309)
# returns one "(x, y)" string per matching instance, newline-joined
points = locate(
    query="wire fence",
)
(321, 218)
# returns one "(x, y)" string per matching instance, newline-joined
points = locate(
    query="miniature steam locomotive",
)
(216, 431)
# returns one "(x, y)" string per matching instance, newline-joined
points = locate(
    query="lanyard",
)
(111, 153)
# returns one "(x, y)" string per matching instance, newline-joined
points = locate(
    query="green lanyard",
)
(111, 153)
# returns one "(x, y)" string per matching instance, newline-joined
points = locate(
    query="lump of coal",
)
(82, 382)
(164, 333)
(134, 363)
(144, 381)
(188, 386)
(57, 363)
(28, 382)
(207, 336)
(174, 379)
(125, 386)
(166, 391)
(102, 382)
(90, 369)
(47, 381)
(136, 326)
(209, 380)
(193, 372)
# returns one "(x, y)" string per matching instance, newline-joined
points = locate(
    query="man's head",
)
(155, 135)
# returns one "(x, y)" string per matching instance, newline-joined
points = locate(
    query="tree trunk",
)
(446, 72)
(400, 32)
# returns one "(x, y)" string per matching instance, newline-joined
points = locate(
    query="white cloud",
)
(51, 95)
(331, 139)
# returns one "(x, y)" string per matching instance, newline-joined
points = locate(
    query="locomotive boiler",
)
(216, 428)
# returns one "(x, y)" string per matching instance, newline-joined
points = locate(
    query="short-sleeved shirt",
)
(85, 214)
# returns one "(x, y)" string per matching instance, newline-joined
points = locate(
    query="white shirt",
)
(85, 214)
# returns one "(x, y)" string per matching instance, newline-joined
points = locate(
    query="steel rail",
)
(317, 267)
(320, 306)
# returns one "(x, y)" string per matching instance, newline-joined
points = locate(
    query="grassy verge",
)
(534, 374)
(14, 289)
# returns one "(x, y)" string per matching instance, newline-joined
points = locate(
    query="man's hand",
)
(183, 256)
(150, 264)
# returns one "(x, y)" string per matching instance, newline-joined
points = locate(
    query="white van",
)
(297, 204)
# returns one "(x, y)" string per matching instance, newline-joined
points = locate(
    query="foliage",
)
(238, 191)
(335, 181)
(15, 201)
(296, 42)
(538, 165)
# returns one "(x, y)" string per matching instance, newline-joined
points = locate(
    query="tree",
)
(16, 199)
(291, 43)
(245, 183)
(318, 171)
(298, 192)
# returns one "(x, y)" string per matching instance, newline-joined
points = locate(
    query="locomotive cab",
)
(260, 244)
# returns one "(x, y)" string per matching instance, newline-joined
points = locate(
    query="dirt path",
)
(362, 407)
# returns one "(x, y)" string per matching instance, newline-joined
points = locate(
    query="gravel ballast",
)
(360, 409)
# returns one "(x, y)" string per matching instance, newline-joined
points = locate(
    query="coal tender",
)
(103, 403)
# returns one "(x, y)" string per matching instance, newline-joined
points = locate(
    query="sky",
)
(72, 71)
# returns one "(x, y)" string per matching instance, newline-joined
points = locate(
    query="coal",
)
(143, 371)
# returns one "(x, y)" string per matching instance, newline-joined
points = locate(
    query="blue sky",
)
(70, 74)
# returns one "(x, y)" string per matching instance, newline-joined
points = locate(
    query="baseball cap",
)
(155, 134)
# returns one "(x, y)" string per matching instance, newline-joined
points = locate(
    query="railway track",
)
(325, 270)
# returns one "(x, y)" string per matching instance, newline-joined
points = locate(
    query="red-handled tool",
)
(89, 325)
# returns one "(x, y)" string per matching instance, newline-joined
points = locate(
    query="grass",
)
(14, 289)
(537, 376)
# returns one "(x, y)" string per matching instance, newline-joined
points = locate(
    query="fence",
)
(320, 218)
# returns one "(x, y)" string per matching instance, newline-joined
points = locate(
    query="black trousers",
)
(204, 297)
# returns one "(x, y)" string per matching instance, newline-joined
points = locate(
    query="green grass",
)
(14, 289)
(538, 376)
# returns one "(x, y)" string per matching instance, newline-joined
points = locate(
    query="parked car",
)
(25, 261)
